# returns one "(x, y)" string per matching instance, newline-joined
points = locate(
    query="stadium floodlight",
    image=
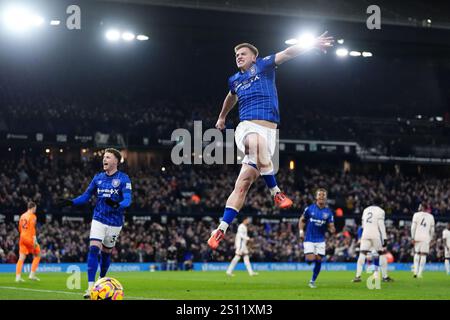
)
(340, 41)
(355, 53)
(55, 22)
(307, 40)
(366, 54)
(112, 35)
(142, 37)
(341, 52)
(438, 118)
(20, 19)
(128, 36)
(291, 42)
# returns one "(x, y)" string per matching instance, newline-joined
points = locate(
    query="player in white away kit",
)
(446, 238)
(373, 238)
(240, 244)
(422, 231)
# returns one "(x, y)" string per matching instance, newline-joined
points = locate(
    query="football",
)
(107, 289)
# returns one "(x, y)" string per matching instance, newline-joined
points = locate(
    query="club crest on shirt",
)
(115, 183)
(99, 182)
(253, 70)
(325, 216)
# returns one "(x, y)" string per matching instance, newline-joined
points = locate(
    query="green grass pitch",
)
(217, 286)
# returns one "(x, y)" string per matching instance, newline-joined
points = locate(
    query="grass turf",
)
(217, 286)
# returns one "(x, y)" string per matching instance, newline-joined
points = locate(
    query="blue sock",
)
(316, 270)
(92, 262)
(229, 214)
(376, 262)
(105, 262)
(270, 180)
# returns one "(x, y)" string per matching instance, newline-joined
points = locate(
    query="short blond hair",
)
(247, 45)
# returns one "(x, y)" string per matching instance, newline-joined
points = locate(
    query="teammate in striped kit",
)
(240, 244)
(253, 87)
(422, 231)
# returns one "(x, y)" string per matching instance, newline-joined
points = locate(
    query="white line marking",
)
(68, 292)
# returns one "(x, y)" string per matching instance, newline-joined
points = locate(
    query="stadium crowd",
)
(200, 189)
(183, 241)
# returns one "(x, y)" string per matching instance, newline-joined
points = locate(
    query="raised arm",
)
(86, 195)
(322, 42)
(228, 104)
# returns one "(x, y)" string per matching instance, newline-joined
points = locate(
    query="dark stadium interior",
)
(395, 106)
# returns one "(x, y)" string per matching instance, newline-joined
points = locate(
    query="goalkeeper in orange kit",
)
(28, 242)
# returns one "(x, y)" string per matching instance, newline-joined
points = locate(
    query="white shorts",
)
(107, 235)
(246, 127)
(318, 248)
(447, 253)
(242, 251)
(371, 244)
(422, 247)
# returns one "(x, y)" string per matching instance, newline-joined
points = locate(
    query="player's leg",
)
(384, 268)
(363, 251)
(248, 265)
(319, 253)
(416, 260)
(422, 262)
(19, 265)
(35, 263)
(261, 151)
(97, 235)
(234, 203)
(112, 234)
(233, 264)
(447, 266)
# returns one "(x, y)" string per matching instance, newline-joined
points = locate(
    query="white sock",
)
(233, 264)
(274, 190)
(18, 276)
(360, 264)
(416, 263)
(223, 226)
(383, 266)
(423, 260)
(447, 265)
(32, 275)
(248, 265)
(90, 285)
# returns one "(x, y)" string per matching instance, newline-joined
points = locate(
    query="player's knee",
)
(243, 184)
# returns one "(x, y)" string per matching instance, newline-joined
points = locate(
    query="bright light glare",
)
(291, 42)
(128, 36)
(366, 54)
(142, 37)
(340, 41)
(341, 52)
(355, 53)
(113, 35)
(55, 22)
(307, 41)
(20, 19)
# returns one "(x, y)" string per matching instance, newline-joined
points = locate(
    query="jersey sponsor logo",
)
(247, 83)
(108, 191)
(317, 222)
(115, 183)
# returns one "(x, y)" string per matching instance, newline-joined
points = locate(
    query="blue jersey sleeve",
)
(330, 218)
(87, 194)
(126, 192)
(266, 63)
(306, 213)
(231, 85)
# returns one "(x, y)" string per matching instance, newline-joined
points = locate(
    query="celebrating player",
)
(446, 238)
(373, 238)
(316, 217)
(113, 191)
(240, 244)
(422, 231)
(253, 87)
(28, 243)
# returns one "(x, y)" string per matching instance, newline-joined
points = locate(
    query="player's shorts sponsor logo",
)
(115, 183)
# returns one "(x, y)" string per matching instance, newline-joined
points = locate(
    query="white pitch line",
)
(67, 292)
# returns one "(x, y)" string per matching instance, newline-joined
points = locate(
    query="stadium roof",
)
(413, 13)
